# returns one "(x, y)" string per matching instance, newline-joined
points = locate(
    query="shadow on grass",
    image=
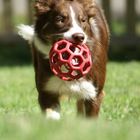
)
(14, 54)
(124, 53)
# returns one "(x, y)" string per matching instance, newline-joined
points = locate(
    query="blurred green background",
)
(20, 116)
(123, 17)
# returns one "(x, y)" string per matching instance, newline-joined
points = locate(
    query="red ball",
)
(70, 61)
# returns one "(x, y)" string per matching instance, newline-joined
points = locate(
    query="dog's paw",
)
(26, 32)
(52, 114)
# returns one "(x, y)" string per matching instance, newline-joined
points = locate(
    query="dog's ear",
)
(89, 6)
(42, 6)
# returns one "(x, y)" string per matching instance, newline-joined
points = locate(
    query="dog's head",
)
(63, 19)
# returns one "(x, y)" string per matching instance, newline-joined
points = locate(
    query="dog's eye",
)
(83, 19)
(59, 18)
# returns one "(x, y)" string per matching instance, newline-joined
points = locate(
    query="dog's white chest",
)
(79, 88)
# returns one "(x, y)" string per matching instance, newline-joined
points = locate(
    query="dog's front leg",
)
(50, 105)
(48, 101)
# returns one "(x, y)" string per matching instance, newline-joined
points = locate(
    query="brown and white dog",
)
(79, 21)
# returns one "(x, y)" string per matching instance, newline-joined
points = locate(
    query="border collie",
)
(79, 21)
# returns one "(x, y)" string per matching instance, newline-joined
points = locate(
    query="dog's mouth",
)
(51, 39)
(77, 38)
(57, 37)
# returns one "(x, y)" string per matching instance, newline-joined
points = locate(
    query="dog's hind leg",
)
(80, 107)
(92, 106)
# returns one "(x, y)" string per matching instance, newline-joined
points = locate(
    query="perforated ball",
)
(70, 61)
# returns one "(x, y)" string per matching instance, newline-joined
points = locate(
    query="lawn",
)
(20, 117)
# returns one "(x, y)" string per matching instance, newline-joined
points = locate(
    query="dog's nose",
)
(78, 37)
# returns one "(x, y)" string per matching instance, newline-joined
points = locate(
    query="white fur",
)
(52, 114)
(74, 29)
(79, 88)
(94, 28)
(26, 32)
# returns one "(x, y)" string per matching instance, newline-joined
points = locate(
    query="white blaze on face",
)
(75, 28)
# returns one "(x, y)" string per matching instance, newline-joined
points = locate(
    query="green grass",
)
(20, 116)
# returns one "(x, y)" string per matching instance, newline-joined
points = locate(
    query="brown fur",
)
(98, 47)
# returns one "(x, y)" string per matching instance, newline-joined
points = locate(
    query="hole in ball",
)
(75, 49)
(55, 58)
(65, 55)
(86, 66)
(62, 46)
(75, 73)
(85, 55)
(65, 68)
(77, 61)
